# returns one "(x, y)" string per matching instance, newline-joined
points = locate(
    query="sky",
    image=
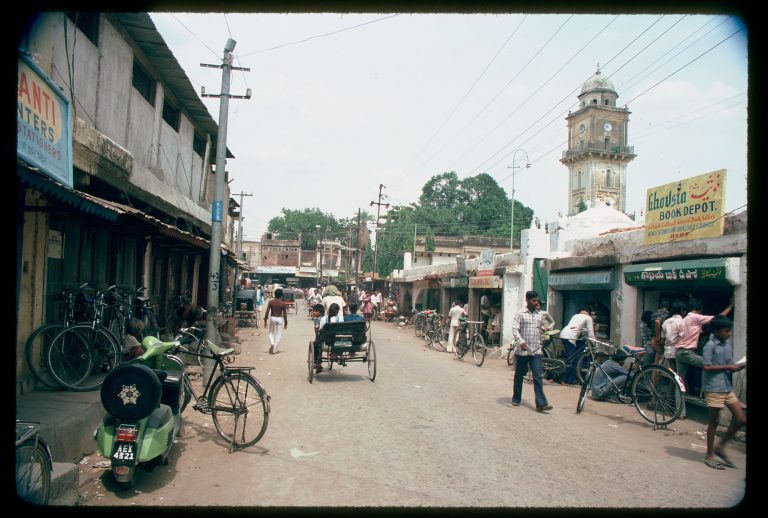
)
(343, 102)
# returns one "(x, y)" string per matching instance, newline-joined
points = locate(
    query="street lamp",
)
(317, 233)
(514, 170)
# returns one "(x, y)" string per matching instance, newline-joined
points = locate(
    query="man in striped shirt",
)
(527, 328)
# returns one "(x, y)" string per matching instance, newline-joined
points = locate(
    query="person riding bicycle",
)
(602, 389)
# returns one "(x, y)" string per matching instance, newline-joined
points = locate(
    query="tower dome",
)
(597, 83)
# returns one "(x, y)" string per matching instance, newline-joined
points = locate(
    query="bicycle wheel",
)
(239, 408)
(585, 386)
(436, 339)
(552, 368)
(656, 395)
(418, 326)
(311, 361)
(371, 360)
(581, 366)
(511, 356)
(33, 473)
(151, 327)
(478, 349)
(36, 352)
(460, 345)
(80, 357)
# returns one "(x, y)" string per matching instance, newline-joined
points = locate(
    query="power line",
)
(468, 91)
(538, 89)
(498, 93)
(319, 36)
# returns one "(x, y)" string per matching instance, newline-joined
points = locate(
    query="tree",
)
(581, 206)
(306, 222)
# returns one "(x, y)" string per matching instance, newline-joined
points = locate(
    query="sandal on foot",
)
(713, 463)
(724, 459)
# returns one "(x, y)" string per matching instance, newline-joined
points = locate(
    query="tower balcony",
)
(611, 151)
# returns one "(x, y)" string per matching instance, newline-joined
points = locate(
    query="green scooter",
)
(144, 399)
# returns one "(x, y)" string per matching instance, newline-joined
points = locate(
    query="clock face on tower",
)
(608, 126)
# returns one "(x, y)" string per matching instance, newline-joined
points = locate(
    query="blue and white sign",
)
(218, 211)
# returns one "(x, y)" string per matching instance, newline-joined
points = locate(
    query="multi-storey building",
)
(114, 155)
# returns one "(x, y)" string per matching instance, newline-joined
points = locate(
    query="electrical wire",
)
(319, 36)
(467, 92)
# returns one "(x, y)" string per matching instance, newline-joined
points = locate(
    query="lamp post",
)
(514, 170)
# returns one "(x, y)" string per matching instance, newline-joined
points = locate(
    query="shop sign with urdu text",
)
(687, 209)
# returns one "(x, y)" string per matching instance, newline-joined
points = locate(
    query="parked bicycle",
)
(420, 321)
(437, 337)
(656, 391)
(71, 304)
(80, 356)
(554, 361)
(34, 464)
(469, 337)
(238, 403)
(125, 305)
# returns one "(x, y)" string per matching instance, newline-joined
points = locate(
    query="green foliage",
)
(312, 224)
(447, 206)
(581, 206)
(429, 240)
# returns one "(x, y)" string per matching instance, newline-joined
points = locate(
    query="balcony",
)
(627, 152)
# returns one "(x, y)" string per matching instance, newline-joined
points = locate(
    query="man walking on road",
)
(275, 319)
(527, 328)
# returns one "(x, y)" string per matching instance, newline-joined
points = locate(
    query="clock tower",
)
(598, 153)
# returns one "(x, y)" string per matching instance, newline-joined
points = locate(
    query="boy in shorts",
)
(718, 390)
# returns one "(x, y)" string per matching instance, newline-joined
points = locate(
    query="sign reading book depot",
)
(687, 209)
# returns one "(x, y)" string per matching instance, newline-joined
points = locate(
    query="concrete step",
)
(65, 480)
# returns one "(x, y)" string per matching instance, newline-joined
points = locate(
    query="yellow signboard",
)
(687, 209)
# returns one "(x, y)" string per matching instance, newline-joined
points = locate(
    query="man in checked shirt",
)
(527, 328)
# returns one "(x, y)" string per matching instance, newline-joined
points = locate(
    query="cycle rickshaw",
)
(342, 343)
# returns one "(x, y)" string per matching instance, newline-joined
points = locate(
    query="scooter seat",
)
(159, 416)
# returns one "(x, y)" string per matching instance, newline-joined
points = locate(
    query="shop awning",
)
(590, 280)
(720, 271)
(64, 195)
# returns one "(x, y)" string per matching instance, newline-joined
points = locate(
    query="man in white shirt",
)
(485, 312)
(572, 337)
(456, 312)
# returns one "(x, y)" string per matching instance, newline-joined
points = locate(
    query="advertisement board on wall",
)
(487, 281)
(687, 209)
(43, 134)
(486, 263)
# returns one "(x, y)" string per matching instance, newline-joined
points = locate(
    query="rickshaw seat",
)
(353, 333)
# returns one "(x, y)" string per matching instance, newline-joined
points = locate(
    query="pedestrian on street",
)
(572, 337)
(331, 295)
(685, 350)
(718, 390)
(276, 318)
(485, 311)
(352, 316)
(527, 330)
(646, 336)
(456, 312)
(671, 330)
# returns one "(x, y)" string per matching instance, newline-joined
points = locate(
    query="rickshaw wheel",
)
(311, 361)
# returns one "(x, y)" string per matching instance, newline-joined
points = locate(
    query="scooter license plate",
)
(124, 454)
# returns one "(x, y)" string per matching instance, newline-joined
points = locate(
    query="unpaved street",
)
(430, 431)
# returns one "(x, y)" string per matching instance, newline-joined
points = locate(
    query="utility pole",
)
(217, 210)
(376, 228)
(358, 250)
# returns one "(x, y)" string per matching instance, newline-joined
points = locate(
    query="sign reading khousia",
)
(688, 209)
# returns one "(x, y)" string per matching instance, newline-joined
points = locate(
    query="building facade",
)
(133, 208)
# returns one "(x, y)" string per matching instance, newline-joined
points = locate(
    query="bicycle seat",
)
(632, 350)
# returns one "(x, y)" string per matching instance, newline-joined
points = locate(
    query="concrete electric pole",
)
(217, 209)
(376, 228)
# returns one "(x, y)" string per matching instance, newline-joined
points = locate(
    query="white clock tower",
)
(598, 152)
